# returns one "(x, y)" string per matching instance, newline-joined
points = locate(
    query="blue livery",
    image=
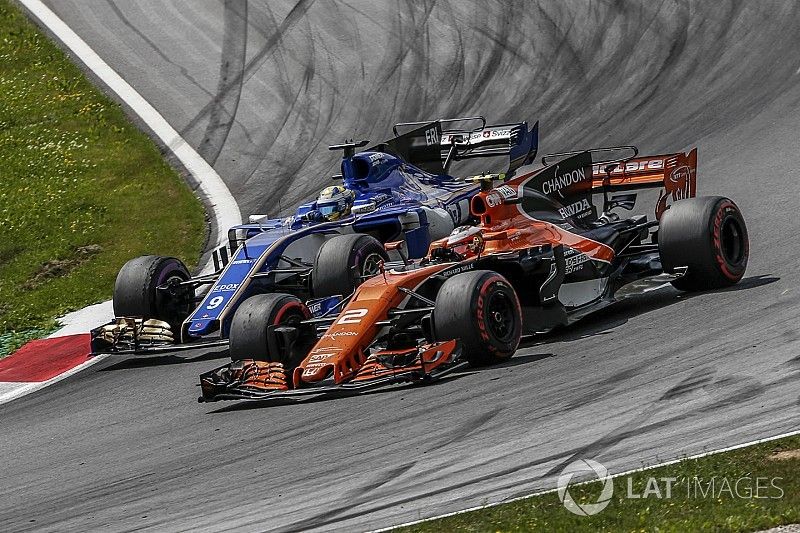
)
(402, 191)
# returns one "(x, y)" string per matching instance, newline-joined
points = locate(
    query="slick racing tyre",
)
(135, 293)
(249, 333)
(344, 262)
(480, 309)
(707, 235)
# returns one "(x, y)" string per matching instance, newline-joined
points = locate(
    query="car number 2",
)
(352, 316)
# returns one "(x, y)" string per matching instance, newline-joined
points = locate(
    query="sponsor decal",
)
(562, 181)
(243, 261)
(431, 136)
(476, 137)
(493, 199)
(573, 263)
(650, 165)
(312, 368)
(579, 209)
(678, 184)
(315, 308)
(507, 192)
(455, 212)
(336, 334)
(457, 270)
(681, 178)
(380, 198)
(227, 287)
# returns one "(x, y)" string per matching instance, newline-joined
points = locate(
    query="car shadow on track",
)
(261, 404)
(246, 405)
(166, 359)
(596, 324)
(603, 321)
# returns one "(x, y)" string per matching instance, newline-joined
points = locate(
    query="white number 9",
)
(214, 303)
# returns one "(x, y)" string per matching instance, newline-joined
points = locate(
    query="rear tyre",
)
(248, 333)
(482, 310)
(707, 235)
(135, 292)
(344, 262)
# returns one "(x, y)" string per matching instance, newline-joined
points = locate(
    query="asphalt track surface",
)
(260, 90)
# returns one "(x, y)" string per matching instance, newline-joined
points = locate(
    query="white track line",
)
(224, 209)
(626, 473)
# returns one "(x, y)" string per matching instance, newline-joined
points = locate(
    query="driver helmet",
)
(466, 239)
(335, 202)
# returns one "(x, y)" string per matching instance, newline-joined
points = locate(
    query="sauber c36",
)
(397, 190)
(540, 257)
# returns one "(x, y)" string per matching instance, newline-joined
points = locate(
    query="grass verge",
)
(81, 189)
(704, 496)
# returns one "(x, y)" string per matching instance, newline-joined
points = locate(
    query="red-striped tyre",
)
(481, 309)
(707, 235)
(249, 326)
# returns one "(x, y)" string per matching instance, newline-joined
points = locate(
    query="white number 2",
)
(215, 301)
(352, 316)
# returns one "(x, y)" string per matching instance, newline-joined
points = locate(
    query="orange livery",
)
(538, 256)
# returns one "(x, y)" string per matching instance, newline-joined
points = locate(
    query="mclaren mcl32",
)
(399, 190)
(541, 257)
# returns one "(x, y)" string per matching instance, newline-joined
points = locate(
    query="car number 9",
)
(214, 303)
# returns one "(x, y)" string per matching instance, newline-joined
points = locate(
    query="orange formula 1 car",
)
(540, 257)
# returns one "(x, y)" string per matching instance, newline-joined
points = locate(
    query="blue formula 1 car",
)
(397, 191)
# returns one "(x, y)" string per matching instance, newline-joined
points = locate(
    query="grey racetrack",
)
(261, 88)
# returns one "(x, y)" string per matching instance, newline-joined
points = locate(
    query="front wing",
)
(260, 380)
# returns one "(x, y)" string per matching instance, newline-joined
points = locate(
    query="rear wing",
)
(620, 168)
(434, 146)
(675, 172)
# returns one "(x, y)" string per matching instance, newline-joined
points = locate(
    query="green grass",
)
(686, 510)
(81, 189)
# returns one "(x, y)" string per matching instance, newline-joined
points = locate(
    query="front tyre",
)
(708, 236)
(481, 309)
(344, 262)
(249, 332)
(136, 293)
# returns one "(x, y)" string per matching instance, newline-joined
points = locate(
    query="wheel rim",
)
(291, 318)
(371, 266)
(732, 241)
(500, 318)
(172, 304)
